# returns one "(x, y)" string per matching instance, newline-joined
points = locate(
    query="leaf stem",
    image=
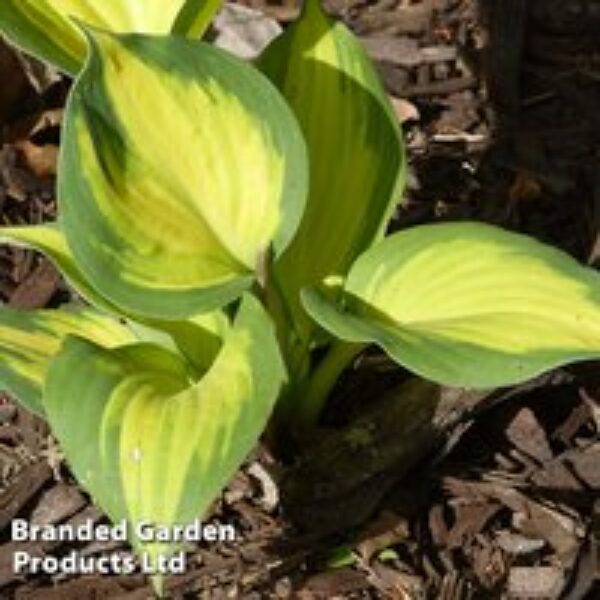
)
(312, 395)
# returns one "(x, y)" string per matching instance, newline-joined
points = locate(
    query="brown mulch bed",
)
(498, 100)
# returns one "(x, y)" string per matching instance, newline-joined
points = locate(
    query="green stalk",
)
(295, 351)
(312, 394)
(304, 398)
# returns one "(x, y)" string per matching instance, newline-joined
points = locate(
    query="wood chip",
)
(470, 519)
(403, 52)
(531, 583)
(526, 433)
(556, 475)
(26, 485)
(269, 498)
(331, 583)
(244, 31)
(516, 544)
(38, 288)
(388, 530)
(58, 503)
(41, 160)
(586, 464)
(405, 110)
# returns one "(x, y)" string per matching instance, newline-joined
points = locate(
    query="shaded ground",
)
(506, 504)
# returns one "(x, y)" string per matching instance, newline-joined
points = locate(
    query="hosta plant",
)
(225, 223)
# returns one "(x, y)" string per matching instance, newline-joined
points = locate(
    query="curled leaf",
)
(150, 444)
(172, 220)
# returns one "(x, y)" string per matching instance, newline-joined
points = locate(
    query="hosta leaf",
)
(171, 198)
(355, 148)
(30, 339)
(468, 304)
(198, 337)
(151, 445)
(46, 27)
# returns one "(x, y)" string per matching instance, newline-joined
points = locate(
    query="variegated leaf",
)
(467, 304)
(30, 339)
(149, 443)
(198, 337)
(356, 151)
(170, 198)
(47, 28)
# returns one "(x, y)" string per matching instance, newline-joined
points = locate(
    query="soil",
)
(498, 101)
